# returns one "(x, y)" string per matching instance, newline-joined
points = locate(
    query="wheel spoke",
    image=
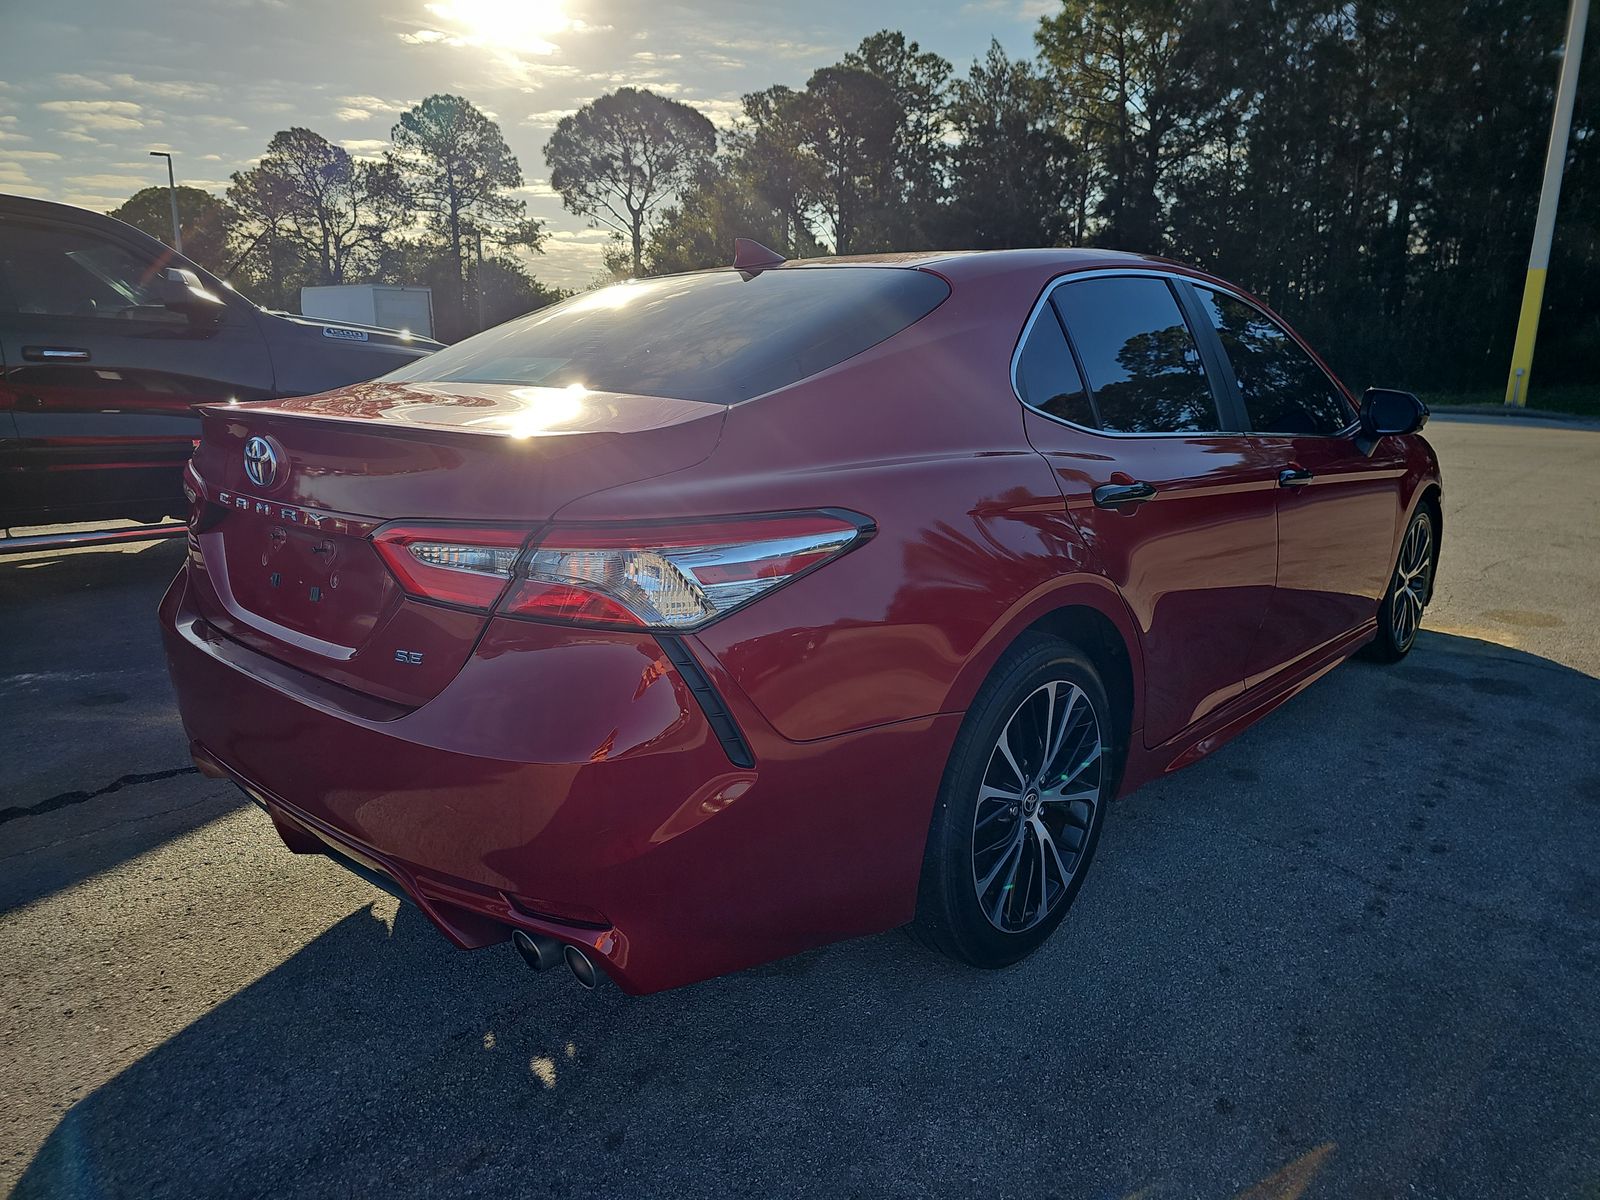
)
(1004, 747)
(1042, 838)
(1092, 757)
(1046, 842)
(988, 880)
(1011, 877)
(1083, 797)
(1053, 746)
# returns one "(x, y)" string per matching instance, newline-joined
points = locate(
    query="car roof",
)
(1032, 265)
(28, 206)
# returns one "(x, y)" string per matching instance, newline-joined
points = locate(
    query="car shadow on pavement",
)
(1356, 950)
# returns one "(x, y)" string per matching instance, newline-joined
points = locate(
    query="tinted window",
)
(719, 336)
(1047, 378)
(1142, 363)
(63, 272)
(1284, 390)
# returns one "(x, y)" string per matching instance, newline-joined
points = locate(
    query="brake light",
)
(659, 577)
(451, 563)
(675, 577)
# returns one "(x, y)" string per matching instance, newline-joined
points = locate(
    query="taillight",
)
(451, 563)
(673, 577)
(662, 577)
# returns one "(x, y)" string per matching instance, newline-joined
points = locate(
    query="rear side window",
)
(721, 337)
(1284, 390)
(1047, 377)
(66, 272)
(1141, 360)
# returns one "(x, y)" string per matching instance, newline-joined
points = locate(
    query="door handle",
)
(55, 354)
(1294, 477)
(1113, 495)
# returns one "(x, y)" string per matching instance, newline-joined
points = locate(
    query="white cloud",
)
(32, 156)
(366, 147)
(98, 114)
(723, 112)
(111, 183)
(82, 83)
(549, 117)
(122, 81)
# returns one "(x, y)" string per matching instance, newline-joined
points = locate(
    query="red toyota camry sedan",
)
(700, 620)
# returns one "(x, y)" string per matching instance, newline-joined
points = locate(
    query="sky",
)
(89, 87)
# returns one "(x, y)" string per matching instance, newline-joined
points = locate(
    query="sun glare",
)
(518, 26)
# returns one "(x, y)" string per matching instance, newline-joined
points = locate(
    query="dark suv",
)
(108, 340)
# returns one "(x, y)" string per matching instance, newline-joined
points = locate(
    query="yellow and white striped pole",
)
(1544, 227)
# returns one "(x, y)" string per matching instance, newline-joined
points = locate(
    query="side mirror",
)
(181, 291)
(1386, 412)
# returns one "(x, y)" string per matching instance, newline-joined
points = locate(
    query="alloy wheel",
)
(1411, 583)
(1036, 806)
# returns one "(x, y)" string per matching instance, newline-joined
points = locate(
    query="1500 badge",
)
(344, 335)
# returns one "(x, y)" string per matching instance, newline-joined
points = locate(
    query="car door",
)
(1338, 508)
(1177, 507)
(100, 379)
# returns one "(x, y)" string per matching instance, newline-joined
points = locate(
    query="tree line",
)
(438, 208)
(1370, 169)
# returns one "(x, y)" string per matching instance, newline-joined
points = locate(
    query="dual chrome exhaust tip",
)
(541, 952)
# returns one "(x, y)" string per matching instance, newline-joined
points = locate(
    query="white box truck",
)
(388, 306)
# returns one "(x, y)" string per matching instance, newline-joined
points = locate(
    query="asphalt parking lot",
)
(1354, 953)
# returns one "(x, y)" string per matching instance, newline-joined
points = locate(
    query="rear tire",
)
(1410, 589)
(1020, 807)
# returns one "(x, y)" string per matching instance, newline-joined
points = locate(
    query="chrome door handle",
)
(1113, 495)
(55, 354)
(1294, 477)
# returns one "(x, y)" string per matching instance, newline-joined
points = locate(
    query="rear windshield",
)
(721, 337)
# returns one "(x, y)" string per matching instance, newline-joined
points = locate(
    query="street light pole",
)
(172, 195)
(1544, 227)
(479, 235)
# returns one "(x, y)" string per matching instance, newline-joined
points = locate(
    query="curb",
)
(1497, 412)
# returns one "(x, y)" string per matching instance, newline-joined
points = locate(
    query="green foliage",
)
(207, 222)
(320, 205)
(619, 159)
(435, 211)
(456, 168)
(723, 204)
(1016, 179)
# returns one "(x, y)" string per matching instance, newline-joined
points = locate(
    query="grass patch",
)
(1579, 399)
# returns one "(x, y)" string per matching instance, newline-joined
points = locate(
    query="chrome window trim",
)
(1170, 277)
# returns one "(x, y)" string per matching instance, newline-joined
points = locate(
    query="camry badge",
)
(260, 462)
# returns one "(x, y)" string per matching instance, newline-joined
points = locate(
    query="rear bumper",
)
(573, 786)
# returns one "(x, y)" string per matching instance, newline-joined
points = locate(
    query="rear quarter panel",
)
(923, 435)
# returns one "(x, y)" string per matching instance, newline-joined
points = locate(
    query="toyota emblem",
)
(260, 462)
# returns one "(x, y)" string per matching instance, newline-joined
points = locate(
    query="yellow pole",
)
(1544, 226)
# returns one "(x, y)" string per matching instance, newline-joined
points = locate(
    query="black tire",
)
(1004, 928)
(1410, 589)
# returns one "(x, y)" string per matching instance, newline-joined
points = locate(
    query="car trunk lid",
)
(284, 560)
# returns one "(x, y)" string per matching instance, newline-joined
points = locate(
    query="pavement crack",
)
(68, 799)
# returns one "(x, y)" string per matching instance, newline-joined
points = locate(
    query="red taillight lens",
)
(451, 563)
(658, 577)
(676, 577)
